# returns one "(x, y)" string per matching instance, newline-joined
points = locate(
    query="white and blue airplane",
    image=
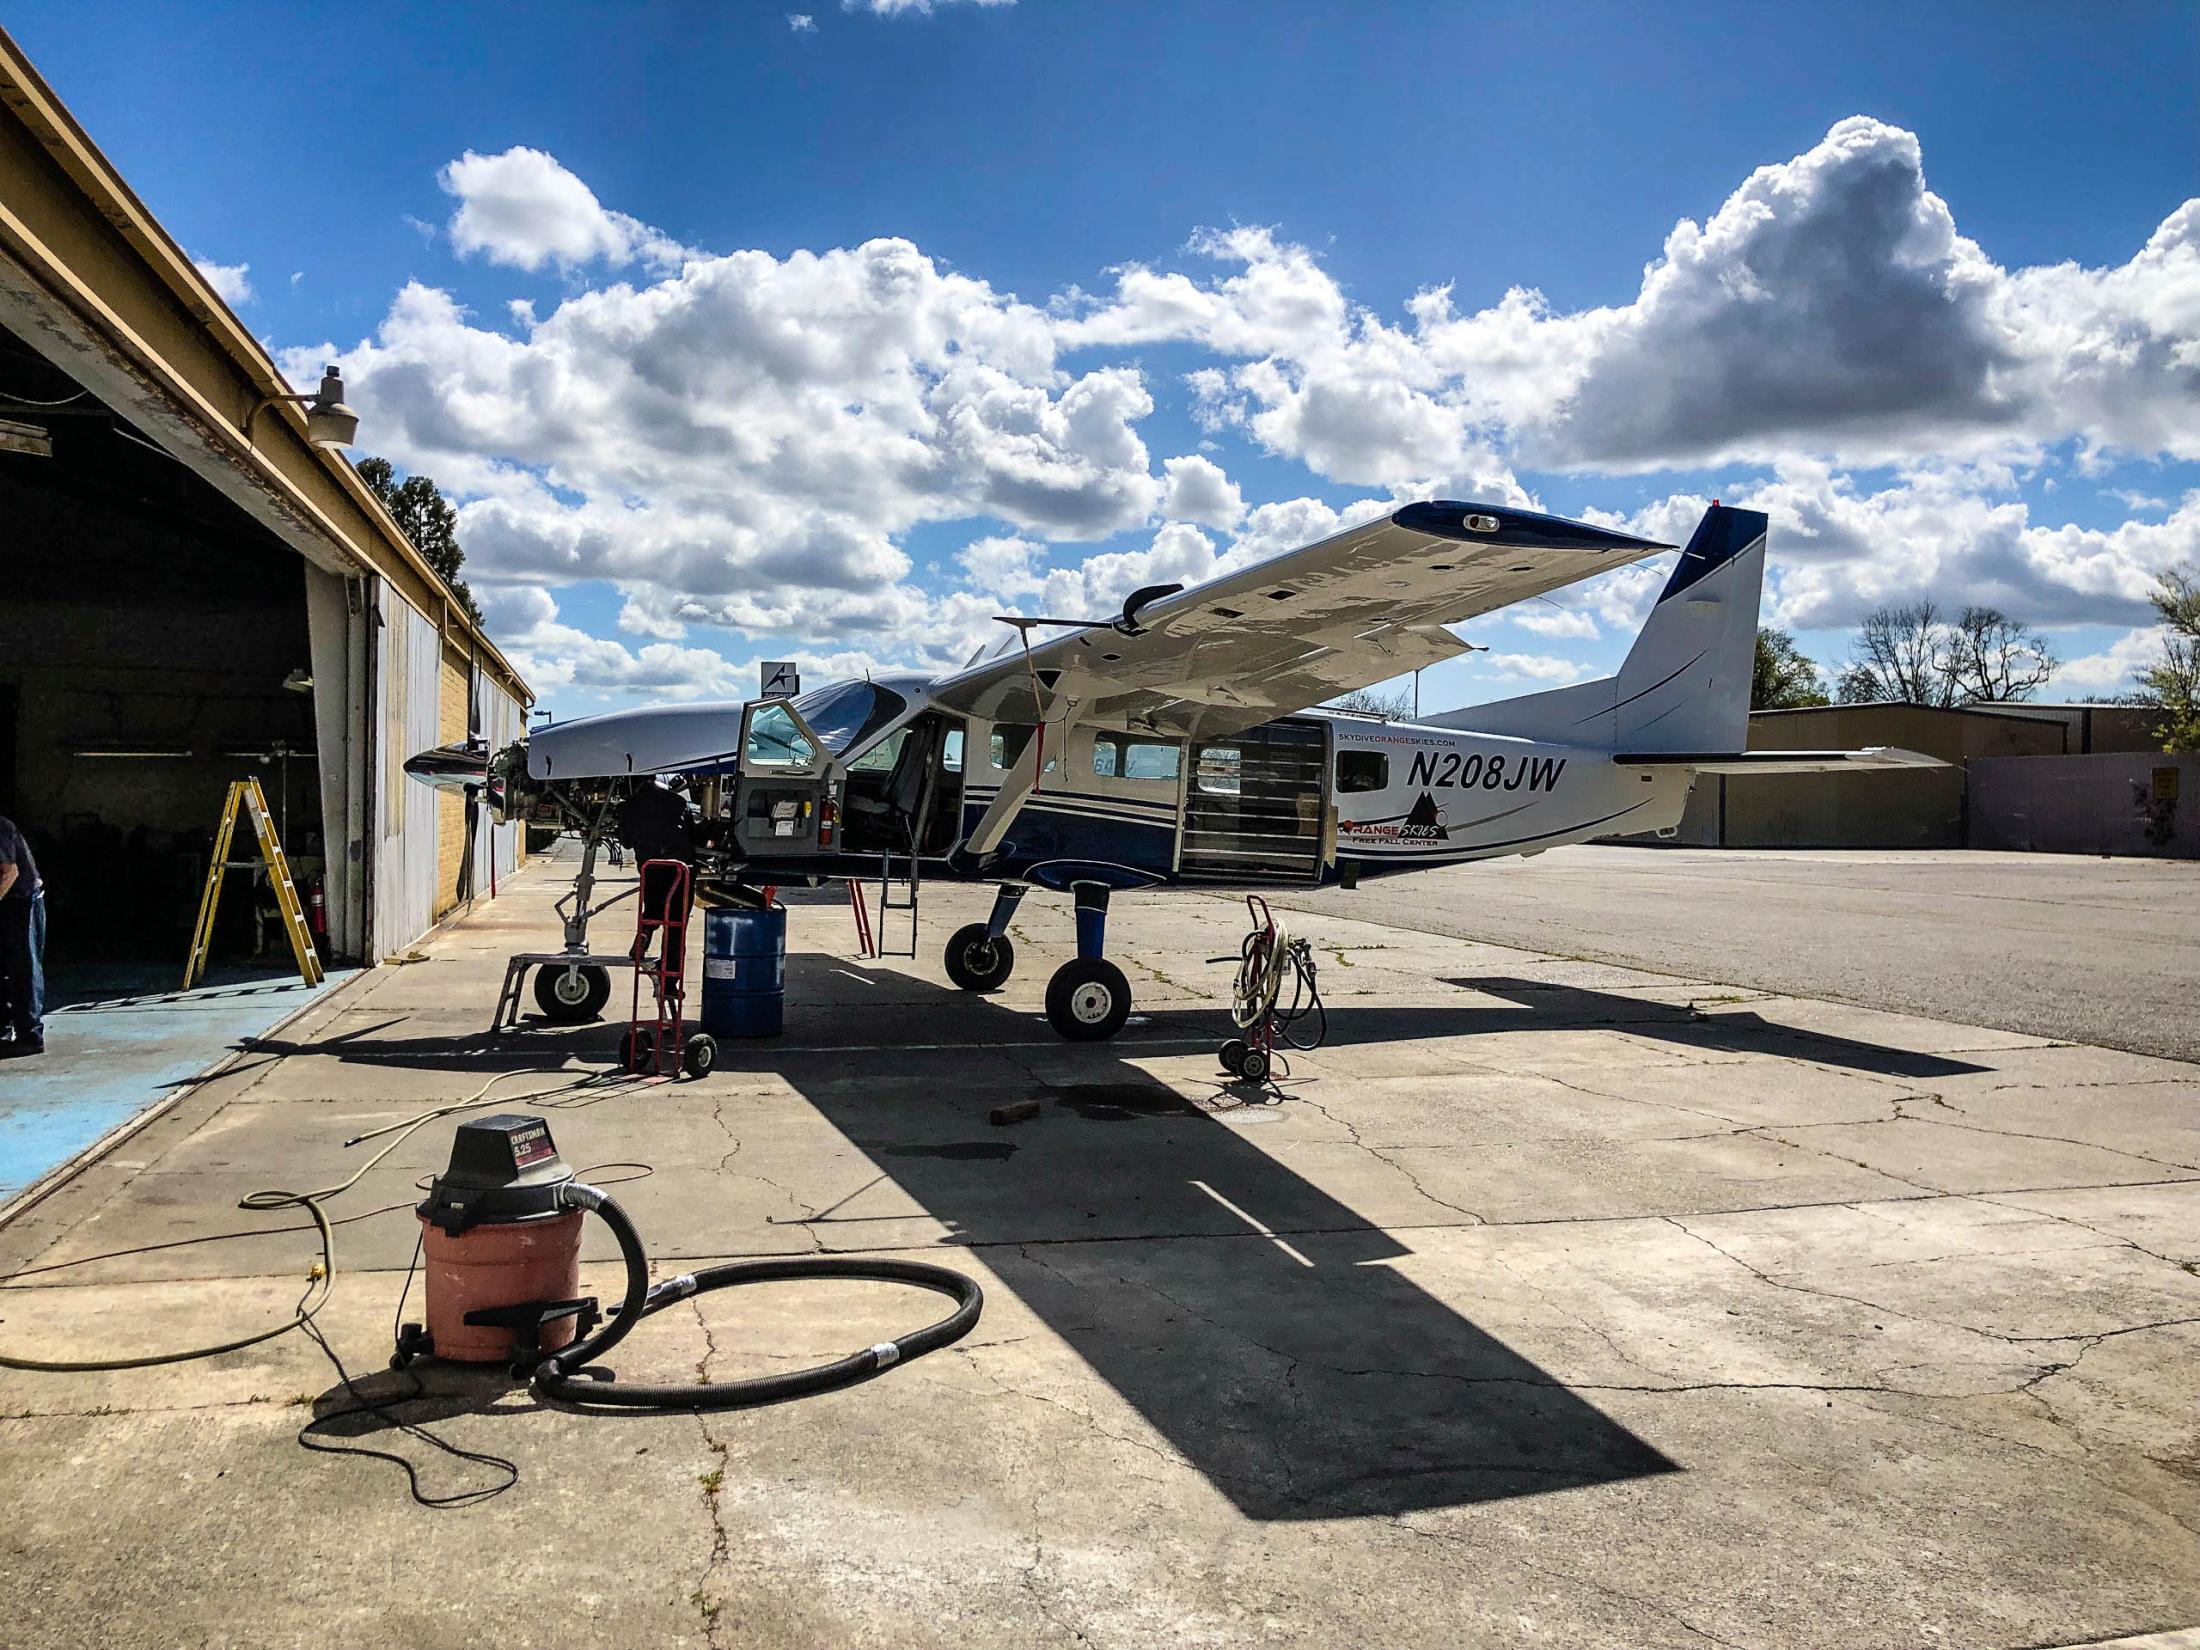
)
(1183, 743)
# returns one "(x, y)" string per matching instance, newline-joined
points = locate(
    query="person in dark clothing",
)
(658, 824)
(22, 945)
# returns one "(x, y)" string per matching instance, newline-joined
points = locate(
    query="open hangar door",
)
(154, 646)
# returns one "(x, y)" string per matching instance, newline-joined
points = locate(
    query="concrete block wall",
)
(2133, 803)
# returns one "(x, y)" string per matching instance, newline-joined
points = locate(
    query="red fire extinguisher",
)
(317, 910)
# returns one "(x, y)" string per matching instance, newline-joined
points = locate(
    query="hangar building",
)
(194, 591)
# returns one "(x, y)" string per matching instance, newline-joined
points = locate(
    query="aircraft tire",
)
(976, 963)
(571, 996)
(1088, 1000)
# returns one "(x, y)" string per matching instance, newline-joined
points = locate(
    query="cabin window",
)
(1362, 771)
(1009, 740)
(847, 713)
(1217, 773)
(1119, 756)
(881, 757)
(951, 751)
(775, 741)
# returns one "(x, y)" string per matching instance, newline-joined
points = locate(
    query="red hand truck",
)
(661, 1045)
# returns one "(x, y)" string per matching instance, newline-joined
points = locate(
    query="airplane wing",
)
(1871, 756)
(1358, 607)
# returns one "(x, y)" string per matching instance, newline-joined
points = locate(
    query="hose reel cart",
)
(1268, 957)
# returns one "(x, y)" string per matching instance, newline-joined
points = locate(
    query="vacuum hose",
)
(557, 1375)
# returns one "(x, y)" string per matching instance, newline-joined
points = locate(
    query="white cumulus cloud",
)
(1829, 309)
(1197, 490)
(744, 440)
(2119, 662)
(523, 208)
(911, 8)
(232, 281)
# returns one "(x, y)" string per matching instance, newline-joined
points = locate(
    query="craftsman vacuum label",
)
(531, 1146)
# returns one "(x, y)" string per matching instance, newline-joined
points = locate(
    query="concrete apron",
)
(110, 1057)
(1555, 1303)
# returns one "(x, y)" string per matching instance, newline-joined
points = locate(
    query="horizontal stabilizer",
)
(1872, 756)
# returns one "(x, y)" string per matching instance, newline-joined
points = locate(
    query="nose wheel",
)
(570, 994)
(978, 960)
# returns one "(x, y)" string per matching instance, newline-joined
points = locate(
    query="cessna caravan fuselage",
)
(1174, 745)
(1317, 797)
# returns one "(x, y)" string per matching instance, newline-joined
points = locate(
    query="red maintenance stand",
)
(660, 1046)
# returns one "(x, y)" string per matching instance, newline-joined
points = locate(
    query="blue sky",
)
(813, 311)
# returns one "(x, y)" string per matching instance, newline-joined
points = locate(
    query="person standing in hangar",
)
(22, 945)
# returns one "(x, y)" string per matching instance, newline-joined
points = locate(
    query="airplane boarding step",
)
(887, 902)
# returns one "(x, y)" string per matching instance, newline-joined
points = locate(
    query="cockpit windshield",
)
(847, 713)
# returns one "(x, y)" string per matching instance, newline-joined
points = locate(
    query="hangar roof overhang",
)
(90, 279)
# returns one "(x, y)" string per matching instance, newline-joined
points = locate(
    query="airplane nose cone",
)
(458, 768)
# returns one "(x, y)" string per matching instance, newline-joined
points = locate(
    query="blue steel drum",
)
(745, 972)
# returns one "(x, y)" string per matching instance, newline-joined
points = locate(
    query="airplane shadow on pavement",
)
(1299, 1370)
(1262, 1327)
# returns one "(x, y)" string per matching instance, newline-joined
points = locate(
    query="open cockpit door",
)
(783, 799)
(904, 794)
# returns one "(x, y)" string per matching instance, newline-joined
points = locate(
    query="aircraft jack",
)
(573, 985)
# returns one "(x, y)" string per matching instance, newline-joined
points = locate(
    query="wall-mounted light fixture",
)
(329, 423)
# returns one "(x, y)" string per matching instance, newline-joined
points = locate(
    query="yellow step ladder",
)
(246, 793)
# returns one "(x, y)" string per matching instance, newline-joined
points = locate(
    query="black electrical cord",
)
(361, 1404)
(565, 1375)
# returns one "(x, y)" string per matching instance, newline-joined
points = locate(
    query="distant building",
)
(2047, 778)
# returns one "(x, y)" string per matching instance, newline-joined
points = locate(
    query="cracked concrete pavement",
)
(1554, 1302)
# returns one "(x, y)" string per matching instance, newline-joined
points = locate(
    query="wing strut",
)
(1038, 710)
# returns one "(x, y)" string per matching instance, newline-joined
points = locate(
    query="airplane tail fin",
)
(1685, 684)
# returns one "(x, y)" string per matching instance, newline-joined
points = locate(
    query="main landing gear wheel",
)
(570, 994)
(1088, 1000)
(979, 963)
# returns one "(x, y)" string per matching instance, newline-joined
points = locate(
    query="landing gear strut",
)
(981, 956)
(1089, 999)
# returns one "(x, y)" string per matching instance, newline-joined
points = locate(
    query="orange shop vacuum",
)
(501, 1247)
(500, 1243)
